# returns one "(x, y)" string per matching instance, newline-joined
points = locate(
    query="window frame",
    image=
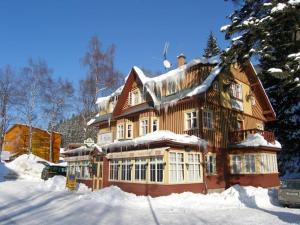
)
(235, 165)
(156, 160)
(126, 170)
(191, 168)
(139, 171)
(192, 117)
(179, 167)
(119, 130)
(141, 126)
(249, 167)
(211, 164)
(114, 173)
(152, 123)
(205, 119)
(127, 126)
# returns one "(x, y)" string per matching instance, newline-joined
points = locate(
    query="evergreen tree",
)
(269, 30)
(212, 48)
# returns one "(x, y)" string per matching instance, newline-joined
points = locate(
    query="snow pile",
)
(160, 135)
(250, 196)
(234, 197)
(26, 166)
(279, 7)
(294, 2)
(258, 140)
(56, 183)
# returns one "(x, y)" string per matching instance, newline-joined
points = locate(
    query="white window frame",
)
(208, 119)
(250, 163)
(211, 164)
(114, 169)
(127, 126)
(136, 98)
(236, 164)
(237, 91)
(176, 167)
(155, 161)
(144, 126)
(152, 123)
(171, 88)
(191, 119)
(194, 167)
(140, 169)
(126, 168)
(120, 131)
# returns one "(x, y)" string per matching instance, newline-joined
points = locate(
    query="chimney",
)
(180, 60)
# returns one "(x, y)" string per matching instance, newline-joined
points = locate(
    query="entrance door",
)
(97, 177)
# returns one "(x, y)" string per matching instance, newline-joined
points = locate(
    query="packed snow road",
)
(38, 202)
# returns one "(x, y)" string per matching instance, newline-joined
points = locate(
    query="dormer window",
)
(171, 88)
(236, 91)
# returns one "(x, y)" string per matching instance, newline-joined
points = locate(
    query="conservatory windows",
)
(143, 127)
(236, 164)
(126, 169)
(193, 167)
(113, 170)
(156, 169)
(176, 167)
(129, 131)
(120, 131)
(207, 119)
(191, 120)
(268, 163)
(140, 169)
(211, 164)
(250, 163)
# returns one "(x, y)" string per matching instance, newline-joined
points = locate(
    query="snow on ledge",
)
(254, 140)
(161, 135)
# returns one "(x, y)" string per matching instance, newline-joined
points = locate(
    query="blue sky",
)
(58, 31)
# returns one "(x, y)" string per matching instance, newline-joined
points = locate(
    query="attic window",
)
(171, 86)
(236, 91)
(216, 86)
(252, 100)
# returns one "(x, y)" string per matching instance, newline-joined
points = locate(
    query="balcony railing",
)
(195, 132)
(238, 136)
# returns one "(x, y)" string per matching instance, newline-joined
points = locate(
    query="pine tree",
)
(269, 30)
(212, 48)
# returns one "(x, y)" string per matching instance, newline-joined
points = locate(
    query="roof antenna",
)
(166, 62)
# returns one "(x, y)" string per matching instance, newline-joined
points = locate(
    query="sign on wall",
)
(104, 138)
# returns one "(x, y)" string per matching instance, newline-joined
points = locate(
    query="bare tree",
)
(30, 87)
(56, 99)
(7, 96)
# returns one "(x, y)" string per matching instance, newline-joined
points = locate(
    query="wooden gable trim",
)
(259, 91)
(133, 76)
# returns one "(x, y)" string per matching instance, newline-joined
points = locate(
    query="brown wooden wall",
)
(17, 141)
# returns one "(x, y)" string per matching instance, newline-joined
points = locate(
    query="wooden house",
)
(16, 142)
(226, 109)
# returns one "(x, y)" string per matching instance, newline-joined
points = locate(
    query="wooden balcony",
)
(195, 132)
(238, 136)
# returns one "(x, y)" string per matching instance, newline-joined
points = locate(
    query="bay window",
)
(176, 167)
(250, 163)
(140, 169)
(194, 167)
(156, 169)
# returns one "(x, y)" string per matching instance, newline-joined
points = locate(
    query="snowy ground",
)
(29, 200)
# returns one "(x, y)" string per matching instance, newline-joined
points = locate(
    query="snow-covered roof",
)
(160, 135)
(255, 140)
(83, 149)
(102, 102)
(154, 85)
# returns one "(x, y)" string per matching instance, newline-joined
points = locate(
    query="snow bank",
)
(275, 70)
(26, 166)
(159, 135)
(56, 183)
(234, 197)
(258, 140)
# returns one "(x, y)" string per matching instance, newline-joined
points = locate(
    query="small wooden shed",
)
(16, 142)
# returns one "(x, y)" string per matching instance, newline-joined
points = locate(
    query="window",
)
(176, 167)
(113, 170)
(191, 120)
(171, 87)
(140, 169)
(156, 169)
(135, 97)
(154, 124)
(208, 119)
(120, 131)
(252, 100)
(143, 127)
(85, 169)
(236, 91)
(129, 131)
(194, 167)
(216, 86)
(129, 98)
(126, 169)
(211, 164)
(236, 164)
(250, 163)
